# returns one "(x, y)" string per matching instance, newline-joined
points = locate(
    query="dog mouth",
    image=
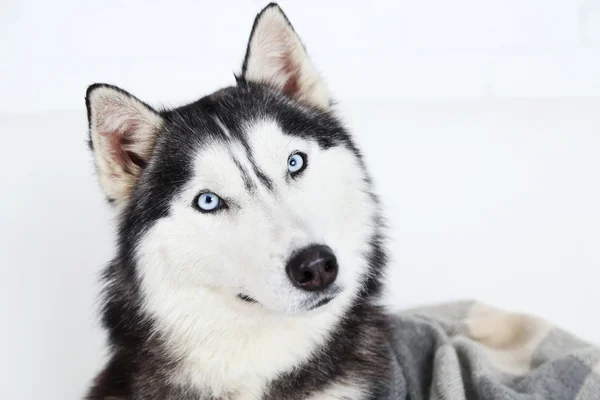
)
(310, 307)
(319, 303)
(246, 298)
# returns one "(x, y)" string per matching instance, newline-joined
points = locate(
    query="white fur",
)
(340, 392)
(113, 113)
(278, 56)
(193, 265)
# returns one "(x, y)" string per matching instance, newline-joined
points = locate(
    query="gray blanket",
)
(469, 350)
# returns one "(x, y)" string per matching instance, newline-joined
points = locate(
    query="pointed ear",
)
(123, 132)
(277, 57)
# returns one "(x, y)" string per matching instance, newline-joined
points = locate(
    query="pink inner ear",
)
(116, 142)
(124, 132)
(286, 63)
(291, 86)
(121, 143)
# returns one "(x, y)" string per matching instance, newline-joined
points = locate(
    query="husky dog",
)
(250, 249)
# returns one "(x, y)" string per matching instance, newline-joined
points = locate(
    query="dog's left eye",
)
(296, 163)
(208, 202)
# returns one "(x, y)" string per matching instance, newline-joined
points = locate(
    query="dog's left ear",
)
(276, 56)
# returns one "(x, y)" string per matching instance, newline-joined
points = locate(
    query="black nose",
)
(314, 268)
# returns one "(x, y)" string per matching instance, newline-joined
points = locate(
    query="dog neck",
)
(225, 345)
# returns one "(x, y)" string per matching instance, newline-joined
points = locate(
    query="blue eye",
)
(296, 163)
(208, 201)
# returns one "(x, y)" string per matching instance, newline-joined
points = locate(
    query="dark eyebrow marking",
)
(248, 183)
(261, 175)
(265, 180)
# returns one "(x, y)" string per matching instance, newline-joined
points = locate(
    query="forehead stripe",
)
(262, 177)
(222, 127)
(265, 180)
(248, 183)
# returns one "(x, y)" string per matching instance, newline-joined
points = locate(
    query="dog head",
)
(254, 197)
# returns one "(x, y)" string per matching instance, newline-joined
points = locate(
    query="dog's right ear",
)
(123, 132)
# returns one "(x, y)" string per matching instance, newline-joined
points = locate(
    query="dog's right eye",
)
(207, 202)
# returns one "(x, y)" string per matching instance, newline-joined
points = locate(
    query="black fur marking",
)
(355, 353)
(264, 179)
(241, 137)
(248, 183)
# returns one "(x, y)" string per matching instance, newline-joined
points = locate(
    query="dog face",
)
(254, 198)
(266, 215)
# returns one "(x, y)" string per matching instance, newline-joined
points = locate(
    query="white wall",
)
(175, 50)
(480, 121)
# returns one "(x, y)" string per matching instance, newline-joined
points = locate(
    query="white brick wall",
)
(409, 49)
